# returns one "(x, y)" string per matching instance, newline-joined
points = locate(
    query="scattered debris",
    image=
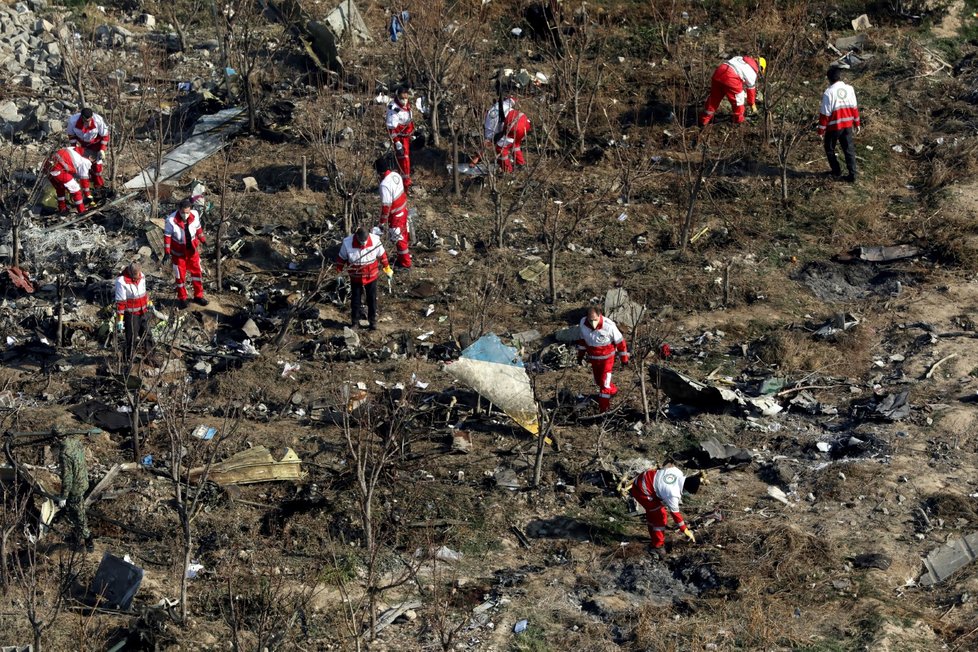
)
(881, 254)
(496, 371)
(461, 441)
(942, 562)
(532, 273)
(777, 494)
(726, 453)
(838, 324)
(861, 23)
(252, 466)
(685, 390)
(115, 583)
(872, 560)
(933, 367)
(621, 309)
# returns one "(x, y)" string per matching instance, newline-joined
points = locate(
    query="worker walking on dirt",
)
(838, 122)
(68, 172)
(735, 80)
(364, 255)
(394, 210)
(132, 306)
(182, 237)
(507, 135)
(601, 342)
(74, 484)
(660, 491)
(87, 129)
(400, 129)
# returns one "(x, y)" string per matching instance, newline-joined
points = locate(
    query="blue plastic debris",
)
(147, 460)
(521, 626)
(489, 348)
(397, 25)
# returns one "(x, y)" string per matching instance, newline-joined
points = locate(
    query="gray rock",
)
(147, 20)
(22, 8)
(52, 48)
(9, 112)
(351, 338)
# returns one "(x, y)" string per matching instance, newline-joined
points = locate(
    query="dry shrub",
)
(951, 507)
(860, 479)
(795, 351)
(782, 553)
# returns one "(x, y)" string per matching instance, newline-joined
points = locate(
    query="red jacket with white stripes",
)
(602, 342)
(666, 486)
(393, 200)
(130, 295)
(399, 120)
(69, 160)
(175, 234)
(839, 109)
(363, 259)
(90, 133)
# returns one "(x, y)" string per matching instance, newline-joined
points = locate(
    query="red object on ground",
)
(20, 279)
(665, 350)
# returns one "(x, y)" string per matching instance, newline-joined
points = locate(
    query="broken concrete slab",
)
(621, 309)
(252, 466)
(942, 562)
(210, 135)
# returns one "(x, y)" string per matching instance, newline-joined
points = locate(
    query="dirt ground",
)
(465, 547)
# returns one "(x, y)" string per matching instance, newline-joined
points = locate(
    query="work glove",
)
(389, 272)
(859, 130)
(159, 315)
(753, 109)
(689, 535)
(166, 255)
(120, 326)
(580, 358)
(61, 502)
(379, 230)
(624, 360)
(398, 146)
(100, 157)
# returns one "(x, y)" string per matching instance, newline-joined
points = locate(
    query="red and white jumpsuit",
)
(131, 305)
(735, 80)
(394, 215)
(602, 345)
(509, 137)
(400, 127)
(181, 237)
(362, 261)
(92, 136)
(660, 491)
(68, 172)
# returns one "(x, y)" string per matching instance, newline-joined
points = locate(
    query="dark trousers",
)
(370, 289)
(135, 331)
(843, 137)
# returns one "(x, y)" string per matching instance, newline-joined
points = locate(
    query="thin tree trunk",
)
(553, 271)
(135, 424)
(15, 235)
(690, 209)
(456, 177)
(187, 543)
(59, 338)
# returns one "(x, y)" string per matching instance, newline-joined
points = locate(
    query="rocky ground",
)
(832, 491)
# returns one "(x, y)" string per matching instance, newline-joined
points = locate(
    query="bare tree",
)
(35, 577)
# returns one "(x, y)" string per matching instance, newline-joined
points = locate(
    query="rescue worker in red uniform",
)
(68, 172)
(400, 128)
(735, 80)
(87, 129)
(659, 492)
(363, 254)
(182, 236)
(601, 342)
(394, 211)
(838, 122)
(132, 307)
(507, 137)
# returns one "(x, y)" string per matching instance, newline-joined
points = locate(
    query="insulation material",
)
(496, 372)
(252, 466)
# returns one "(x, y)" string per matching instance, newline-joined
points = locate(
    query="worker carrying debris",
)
(601, 342)
(182, 236)
(68, 172)
(393, 210)
(838, 121)
(658, 491)
(400, 128)
(74, 484)
(88, 130)
(735, 80)
(507, 135)
(132, 306)
(363, 254)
